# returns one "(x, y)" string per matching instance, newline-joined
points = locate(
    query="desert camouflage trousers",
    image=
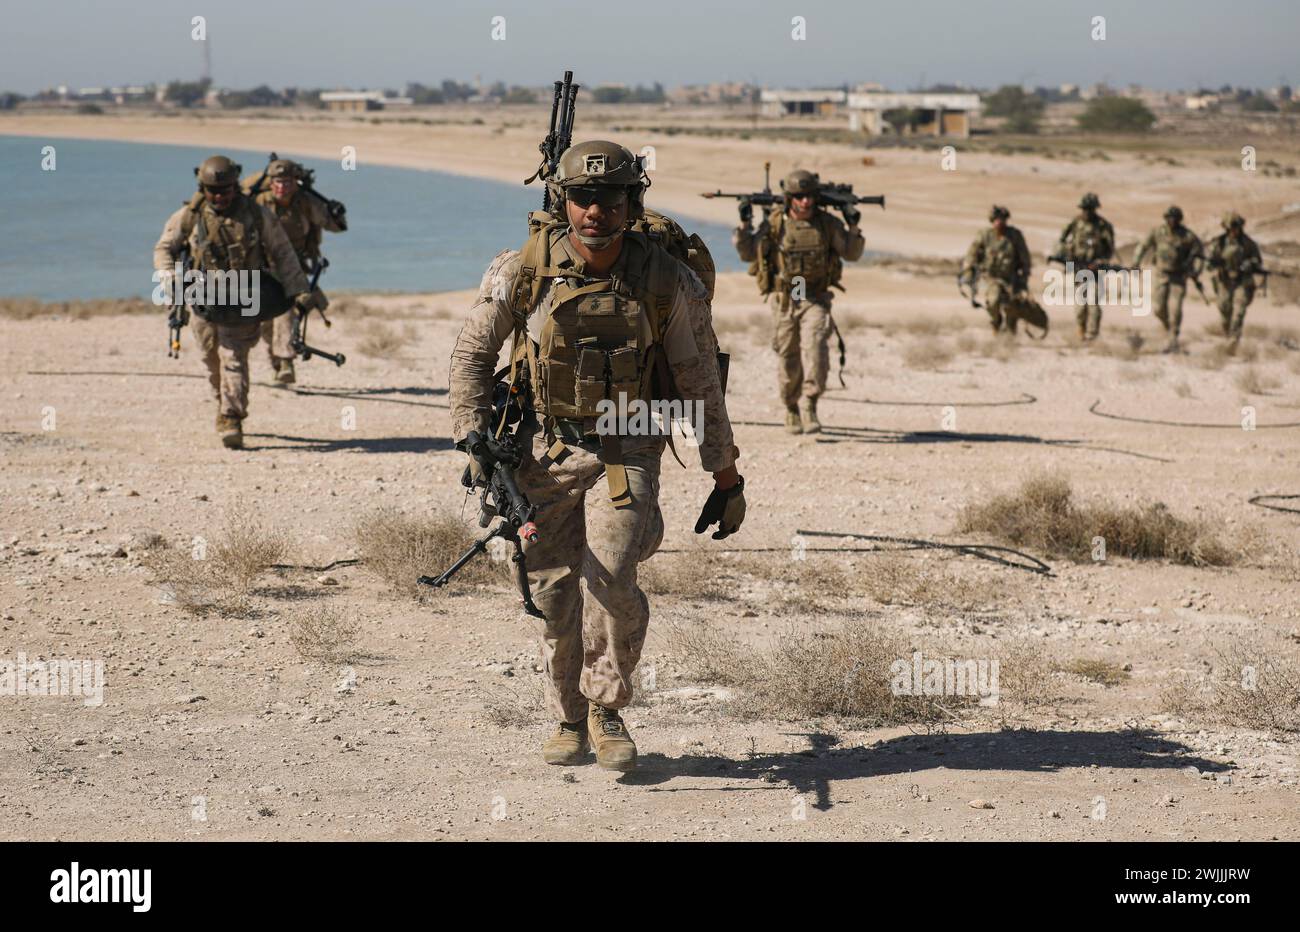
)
(1170, 292)
(1232, 302)
(1088, 316)
(276, 333)
(801, 338)
(998, 303)
(225, 350)
(592, 640)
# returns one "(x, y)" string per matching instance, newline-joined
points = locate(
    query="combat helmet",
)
(999, 213)
(1090, 201)
(1174, 213)
(800, 181)
(1233, 219)
(281, 168)
(217, 171)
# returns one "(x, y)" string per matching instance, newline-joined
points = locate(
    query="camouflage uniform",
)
(1087, 239)
(1003, 259)
(303, 218)
(802, 327)
(225, 346)
(1178, 254)
(1235, 262)
(591, 645)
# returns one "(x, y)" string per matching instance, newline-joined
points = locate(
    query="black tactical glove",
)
(724, 507)
(852, 215)
(746, 213)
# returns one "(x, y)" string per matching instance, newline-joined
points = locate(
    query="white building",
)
(937, 114)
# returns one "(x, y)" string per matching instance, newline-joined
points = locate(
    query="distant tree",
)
(611, 95)
(1258, 103)
(9, 100)
(420, 94)
(260, 96)
(1023, 111)
(89, 108)
(453, 91)
(186, 93)
(519, 95)
(1116, 115)
(902, 118)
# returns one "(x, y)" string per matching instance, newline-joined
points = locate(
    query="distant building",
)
(1206, 102)
(932, 114)
(801, 103)
(352, 101)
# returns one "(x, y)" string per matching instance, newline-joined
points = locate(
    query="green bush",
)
(1116, 115)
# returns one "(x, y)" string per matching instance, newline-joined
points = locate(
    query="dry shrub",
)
(31, 308)
(1255, 684)
(926, 355)
(998, 348)
(849, 672)
(966, 342)
(400, 549)
(380, 341)
(894, 580)
(324, 633)
(1135, 373)
(736, 323)
(924, 326)
(697, 575)
(1043, 515)
(849, 321)
(1215, 358)
(1182, 389)
(1253, 382)
(1097, 671)
(219, 577)
(1127, 348)
(517, 704)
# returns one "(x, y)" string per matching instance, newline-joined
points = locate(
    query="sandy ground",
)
(223, 713)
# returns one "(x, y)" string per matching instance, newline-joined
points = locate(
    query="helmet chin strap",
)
(598, 242)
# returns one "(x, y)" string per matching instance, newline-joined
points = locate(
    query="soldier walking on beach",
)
(226, 232)
(304, 218)
(799, 253)
(1178, 254)
(598, 313)
(1235, 260)
(1088, 241)
(999, 254)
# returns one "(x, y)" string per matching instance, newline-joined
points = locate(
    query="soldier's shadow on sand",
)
(832, 433)
(813, 771)
(355, 444)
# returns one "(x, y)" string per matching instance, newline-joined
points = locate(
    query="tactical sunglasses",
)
(604, 196)
(219, 189)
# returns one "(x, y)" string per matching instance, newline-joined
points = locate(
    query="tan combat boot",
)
(232, 432)
(284, 372)
(793, 425)
(614, 747)
(809, 414)
(568, 746)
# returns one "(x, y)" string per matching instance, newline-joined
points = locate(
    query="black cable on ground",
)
(979, 551)
(1258, 502)
(1143, 420)
(315, 569)
(1024, 399)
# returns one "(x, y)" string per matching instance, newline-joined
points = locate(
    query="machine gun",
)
(838, 196)
(307, 184)
(180, 314)
(560, 136)
(298, 331)
(497, 459)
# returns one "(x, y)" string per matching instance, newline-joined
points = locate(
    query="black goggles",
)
(219, 189)
(605, 196)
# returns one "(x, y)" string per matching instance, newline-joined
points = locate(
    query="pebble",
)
(327, 580)
(980, 804)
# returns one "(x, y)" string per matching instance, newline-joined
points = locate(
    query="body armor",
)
(803, 249)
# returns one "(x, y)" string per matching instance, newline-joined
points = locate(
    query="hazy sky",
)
(380, 43)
